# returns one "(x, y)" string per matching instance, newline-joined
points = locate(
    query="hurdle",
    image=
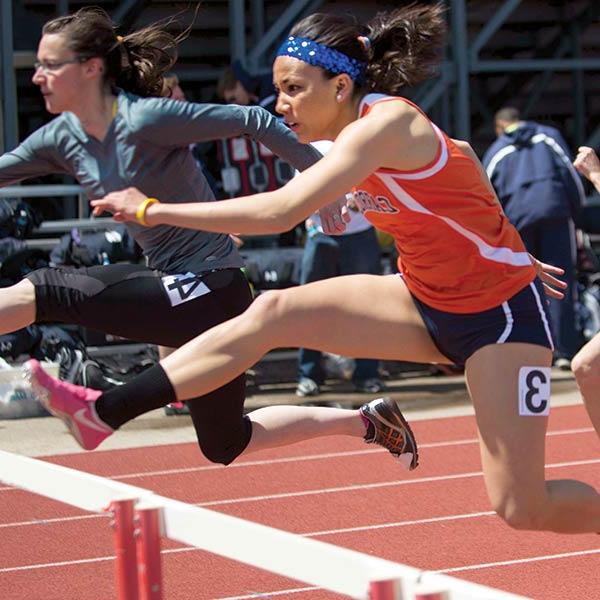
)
(140, 519)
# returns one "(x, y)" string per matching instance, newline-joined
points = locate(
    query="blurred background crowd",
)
(519, 82)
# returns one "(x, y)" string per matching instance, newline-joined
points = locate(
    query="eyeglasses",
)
(49, 67)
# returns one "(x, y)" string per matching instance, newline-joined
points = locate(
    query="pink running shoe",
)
(71, 403)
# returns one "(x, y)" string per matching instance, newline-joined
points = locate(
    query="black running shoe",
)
(388, 428)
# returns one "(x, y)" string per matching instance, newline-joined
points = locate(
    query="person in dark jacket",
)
(238, 86)
(586, 363)
(530, 168)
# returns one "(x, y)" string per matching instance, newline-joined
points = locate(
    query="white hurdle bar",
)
(140, 518)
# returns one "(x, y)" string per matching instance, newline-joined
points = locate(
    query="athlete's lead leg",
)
(310, 316)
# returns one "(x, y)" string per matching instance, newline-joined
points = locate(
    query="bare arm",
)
(359, 150)
(588, 164)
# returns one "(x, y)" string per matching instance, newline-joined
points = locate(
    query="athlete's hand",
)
(237, 240)
(122, 204)
(335, 216)
(587, 162)
(546, 273)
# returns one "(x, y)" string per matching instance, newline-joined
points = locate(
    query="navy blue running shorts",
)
(522, 318)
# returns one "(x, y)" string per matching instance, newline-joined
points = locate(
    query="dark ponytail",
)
(405, 45)
(135, 62)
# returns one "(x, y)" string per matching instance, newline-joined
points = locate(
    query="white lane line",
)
(503, 563)
(473, 567)
(519, 561)
(474, 515)
(81, 561)
(325, 456)
(259, 595)
(383, 484)
(300, 458)
(345, 488)
(310, 534)
(64, 563)
(357, 487)
(53, 520)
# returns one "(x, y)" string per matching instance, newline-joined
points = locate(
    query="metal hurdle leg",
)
(149, 567)
(385, 590)
(123, 535)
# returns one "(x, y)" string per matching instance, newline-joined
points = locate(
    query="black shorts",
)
(144, 305)
(138, 303)
(522, 318)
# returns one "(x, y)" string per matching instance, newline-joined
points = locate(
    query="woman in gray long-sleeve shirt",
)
(111, 133)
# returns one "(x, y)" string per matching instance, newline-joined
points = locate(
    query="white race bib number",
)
(182, 288)
(534, 391)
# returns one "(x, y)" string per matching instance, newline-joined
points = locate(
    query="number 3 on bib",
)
(534, 391)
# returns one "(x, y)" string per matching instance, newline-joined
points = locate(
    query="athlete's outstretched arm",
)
(166, 122)
(359, 150)
(37, 155)
(588, 164)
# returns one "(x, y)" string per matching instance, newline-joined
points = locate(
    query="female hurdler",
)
(468, 292)
(111, 131)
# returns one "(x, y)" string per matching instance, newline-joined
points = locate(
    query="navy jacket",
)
(532, 173)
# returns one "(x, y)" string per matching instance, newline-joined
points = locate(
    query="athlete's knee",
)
(268, 307)
(586, 367)
(22, 293)
(17, 306)
(218, 453)
(224, 449)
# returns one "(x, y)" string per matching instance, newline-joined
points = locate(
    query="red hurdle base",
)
(390, 590)
(125, 552)
(384, 590)
(149, 568)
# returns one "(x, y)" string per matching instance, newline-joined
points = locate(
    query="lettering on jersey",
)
(365, 201)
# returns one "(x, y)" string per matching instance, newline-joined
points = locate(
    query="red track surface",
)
(436, 517)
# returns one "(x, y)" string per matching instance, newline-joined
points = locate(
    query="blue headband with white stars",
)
(318, 55)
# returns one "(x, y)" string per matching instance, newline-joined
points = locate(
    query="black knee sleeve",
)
(224, 449)
(222, 429)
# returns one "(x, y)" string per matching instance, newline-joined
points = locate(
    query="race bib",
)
(534, 391)
(182, 288)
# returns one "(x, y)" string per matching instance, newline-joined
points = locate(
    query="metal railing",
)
(52, 191)
(57, 227)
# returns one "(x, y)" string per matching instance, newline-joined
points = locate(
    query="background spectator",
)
(248, 167)
(237, 86)
(172, 89)
(355, 251)
(530, 167)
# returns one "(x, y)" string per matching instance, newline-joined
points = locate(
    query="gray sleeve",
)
(35, 156)
(169, 122)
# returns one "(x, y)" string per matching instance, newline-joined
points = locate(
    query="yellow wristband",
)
(140, 213)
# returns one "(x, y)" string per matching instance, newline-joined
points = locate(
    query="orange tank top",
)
(457, 250)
